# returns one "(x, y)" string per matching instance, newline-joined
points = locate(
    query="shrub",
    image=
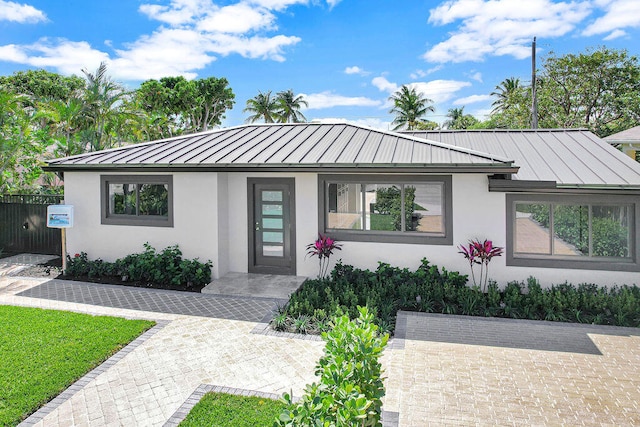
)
(165, 268)
(351, 389)
(433, 290)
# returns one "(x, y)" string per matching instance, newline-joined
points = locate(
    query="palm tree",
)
(263, 106)
(409, 107)
(288, 107)
(506, 93)
(459, 120)
(102, 97)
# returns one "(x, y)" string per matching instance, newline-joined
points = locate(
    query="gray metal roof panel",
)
(308, 144)
(570, 157)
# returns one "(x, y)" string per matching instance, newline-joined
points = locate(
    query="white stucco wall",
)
(477, 214)
(210, 222)
(195, 210)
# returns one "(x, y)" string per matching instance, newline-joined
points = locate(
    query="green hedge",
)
(165, 268)
(433, 290)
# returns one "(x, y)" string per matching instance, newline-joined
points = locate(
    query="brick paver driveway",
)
(441, 370)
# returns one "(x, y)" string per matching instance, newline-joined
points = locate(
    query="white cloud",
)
(500, 27)
(418, 74)
(190, 35)
(615, 34)
(67, 56)
(333, 3)
(329, 99)
(356, 70)
(21, 13)
(619, 14)
(477, 76)
(439, 90)
(237, 18)
(384, 85)
(472, 99)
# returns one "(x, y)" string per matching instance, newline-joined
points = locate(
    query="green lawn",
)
(42, 352)
(230, 410)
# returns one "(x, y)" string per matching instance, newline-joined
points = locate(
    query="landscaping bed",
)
(430, 289)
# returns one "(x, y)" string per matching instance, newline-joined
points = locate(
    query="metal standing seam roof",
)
(569, 157)
(311, 145)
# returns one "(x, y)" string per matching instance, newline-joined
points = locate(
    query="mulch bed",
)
(53, 270)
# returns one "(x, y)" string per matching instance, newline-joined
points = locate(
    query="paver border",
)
(389, 419)
(68, 393)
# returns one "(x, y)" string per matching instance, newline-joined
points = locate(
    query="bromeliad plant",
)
(323, 248)
(477, 252)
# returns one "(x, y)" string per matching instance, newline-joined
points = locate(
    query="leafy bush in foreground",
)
(430, 290)
(165, 268)
(350, 388)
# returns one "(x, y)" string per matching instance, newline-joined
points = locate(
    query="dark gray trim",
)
(134, 220)
(583, 263)
(290, 236)
(388, 237)
(517, 185)
(491, 168)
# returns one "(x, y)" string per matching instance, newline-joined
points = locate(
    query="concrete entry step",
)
(254, 285)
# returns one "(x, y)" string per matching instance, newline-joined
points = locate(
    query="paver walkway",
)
(440, 370)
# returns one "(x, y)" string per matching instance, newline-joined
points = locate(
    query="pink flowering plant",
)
(477, 252)
(323, 248)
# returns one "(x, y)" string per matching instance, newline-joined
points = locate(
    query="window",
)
(597, 232)
(137, 200)
(407, 209)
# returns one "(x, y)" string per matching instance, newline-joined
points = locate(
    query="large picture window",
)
(137, 200)
(572, 231)
(408, 209)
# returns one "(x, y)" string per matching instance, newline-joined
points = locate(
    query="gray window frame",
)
(135, 220)
(387, 236)
(562, 261)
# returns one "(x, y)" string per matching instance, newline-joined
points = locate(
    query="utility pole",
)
(534, 97)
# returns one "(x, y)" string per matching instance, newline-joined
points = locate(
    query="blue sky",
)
(345, 56)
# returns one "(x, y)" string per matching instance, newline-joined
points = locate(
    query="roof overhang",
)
(493, 168)
(516, 186)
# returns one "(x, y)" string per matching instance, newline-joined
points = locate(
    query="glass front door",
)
(271, 234)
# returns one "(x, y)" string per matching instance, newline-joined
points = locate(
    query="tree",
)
(288, 107)
(263, 107)
(458, 120)
(599, 90)
(409, 107)
(41, 85)
(21, 145)
(103, 100)
(508, 94)
(189, 105)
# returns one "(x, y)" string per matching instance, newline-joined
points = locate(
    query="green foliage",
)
(351, 389)
(597, 90)
(389, 202)
(230, 410)
(609, 236)
(165, 268)
(187, 106)
(457, 120)
(431, 290)
(42, 352)
(409, 108)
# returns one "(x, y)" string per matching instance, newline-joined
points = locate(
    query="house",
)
(628, 141)
(563, 203)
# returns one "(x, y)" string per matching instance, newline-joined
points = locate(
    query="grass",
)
(230, 410)
(42, 352)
